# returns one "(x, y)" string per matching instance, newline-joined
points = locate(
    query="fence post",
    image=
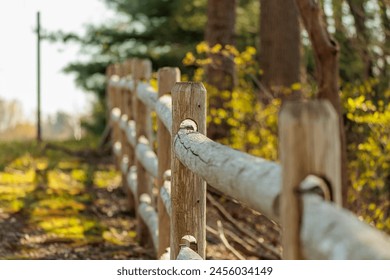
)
(188, 191)
(129, 151)
(122, 98)
(109, 97)
(167, 77)
(309, 145)
(116, 129)
(140, 120)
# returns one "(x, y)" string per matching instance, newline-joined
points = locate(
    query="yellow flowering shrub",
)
(368, 135)
(253, 125)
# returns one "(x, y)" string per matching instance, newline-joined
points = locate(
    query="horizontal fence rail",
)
(166, 171)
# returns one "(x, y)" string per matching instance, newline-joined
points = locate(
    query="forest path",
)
(58, 207)
(54, 205)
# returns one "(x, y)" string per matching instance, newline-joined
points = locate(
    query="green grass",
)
(51, 188)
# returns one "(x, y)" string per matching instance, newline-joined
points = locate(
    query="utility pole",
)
(39, 136)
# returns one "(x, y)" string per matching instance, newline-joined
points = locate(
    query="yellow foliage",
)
(189, 59)
(202, 47)
(296, 86)
(216, 48)
(253, 127)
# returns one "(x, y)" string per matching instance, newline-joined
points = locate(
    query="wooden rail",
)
(168, 188)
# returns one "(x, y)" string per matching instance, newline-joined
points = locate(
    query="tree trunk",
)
(359, 16)
(326, 52)
(221, 19)
(337, 7)
(386, 46)
(279, 43)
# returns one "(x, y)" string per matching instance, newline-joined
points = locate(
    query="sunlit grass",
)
(59, 181)
(22, 163)
(12, 197)
(11, 192)
(64, 165)
(50, 188)
(72, 227)
(41, 163)
(79, 175)
(11, 206)
(57, 205)
(10, 151)
(119, 237)
(17, 177)
(107, 179)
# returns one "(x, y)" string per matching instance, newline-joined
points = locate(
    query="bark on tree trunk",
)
(279, 43)
(359, 16)
(326, 53)
(221, 19)
(386, 48)
(338, 15)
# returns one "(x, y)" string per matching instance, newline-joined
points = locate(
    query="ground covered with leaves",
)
(56, 206)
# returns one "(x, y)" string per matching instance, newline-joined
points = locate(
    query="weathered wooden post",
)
(167, 77)
(188, 190)
(140, 120)
(147, 65)
(109, 97)
(116, 98)
(309, 145)
(128, 148)
(123, 158)
(110, 91)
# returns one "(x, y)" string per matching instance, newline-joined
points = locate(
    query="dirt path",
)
(73, 210)
(67, 211)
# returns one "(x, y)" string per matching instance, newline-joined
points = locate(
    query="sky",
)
(18, 52)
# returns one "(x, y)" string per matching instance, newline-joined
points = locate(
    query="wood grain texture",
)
(167, 77)
(309, 144)
(128, 110)
(326, 54)
(141, 130)
(188, 190)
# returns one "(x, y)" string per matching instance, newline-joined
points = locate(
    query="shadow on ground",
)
(64, 210)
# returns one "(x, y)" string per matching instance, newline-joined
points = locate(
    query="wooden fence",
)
(168, 189)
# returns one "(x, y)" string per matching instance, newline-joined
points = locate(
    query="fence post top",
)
(193, 87)
(110, 70)
(168, 69)
(128, 67)
(295, 109)
(118, 69)
(141, 68)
